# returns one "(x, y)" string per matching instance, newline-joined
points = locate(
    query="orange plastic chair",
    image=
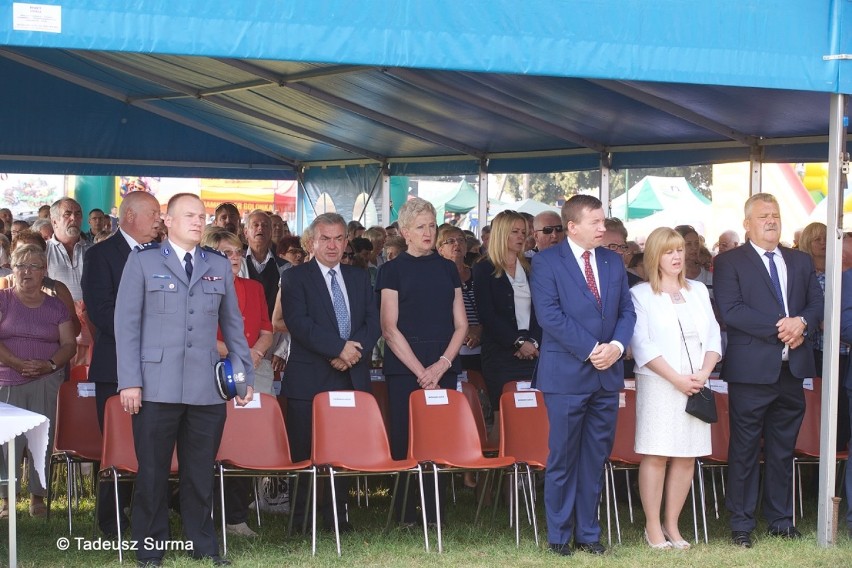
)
(442, 432)
(475, 378)
(118, 456)
(77, 438)
(245, 452)
(524, 430)
(471, 393)
(807, 449)
(79, 373)
(349, 438)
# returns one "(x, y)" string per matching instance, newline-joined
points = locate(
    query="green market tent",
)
(655, 193)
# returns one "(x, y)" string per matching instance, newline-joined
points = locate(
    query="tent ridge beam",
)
(494, 107)
(278, 79)
(163, 163)
(636, 94)
(117, 95)
(219, 100)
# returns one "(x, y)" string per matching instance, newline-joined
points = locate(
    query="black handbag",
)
(702, 404)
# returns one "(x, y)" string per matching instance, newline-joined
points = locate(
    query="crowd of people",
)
(564, 300)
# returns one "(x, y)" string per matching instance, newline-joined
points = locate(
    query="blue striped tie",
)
(776, 281)
(343, 323)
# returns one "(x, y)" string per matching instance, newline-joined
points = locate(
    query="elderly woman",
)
(510, 332)
(676, 343)
(36, 341)
(393, 247)
(423, 323)
(258, 332)
(452, 245)
(290, 249)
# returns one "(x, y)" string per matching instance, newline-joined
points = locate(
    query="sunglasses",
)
(549, 229)
(349, 255)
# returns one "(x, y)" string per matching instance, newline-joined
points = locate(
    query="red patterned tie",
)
(590, 278)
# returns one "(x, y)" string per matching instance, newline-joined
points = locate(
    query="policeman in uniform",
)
(170, 301)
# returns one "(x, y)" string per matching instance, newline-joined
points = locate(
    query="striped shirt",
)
(67, 270)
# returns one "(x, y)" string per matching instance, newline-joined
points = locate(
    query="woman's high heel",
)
(678, 544)
(665, 545)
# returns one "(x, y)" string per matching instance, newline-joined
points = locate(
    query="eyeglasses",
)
(31, 267)
(620, 249)
(298, 252)
(349, 255)
(454, 241)
(549, 229)
(231, 253)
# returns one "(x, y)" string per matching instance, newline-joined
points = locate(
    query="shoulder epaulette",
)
(211, 249)
(153, 245)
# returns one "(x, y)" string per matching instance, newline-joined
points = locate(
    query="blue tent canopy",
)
(267, 88)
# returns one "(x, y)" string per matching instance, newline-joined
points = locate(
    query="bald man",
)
(728, 240)
(547, 230)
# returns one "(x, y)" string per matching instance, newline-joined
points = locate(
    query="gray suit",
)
(165, 331)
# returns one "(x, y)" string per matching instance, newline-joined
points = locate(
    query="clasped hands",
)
(791, 331)
(34, 367)
(691, 384)
(349, 356)
(431, 375)
(604, 355)
(527, 351)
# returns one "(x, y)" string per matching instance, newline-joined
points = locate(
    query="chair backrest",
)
(348, 431)
(472, 395)
(255, 437)
(807, 443)
(77, 430)
(119, 449)
(720, 431)
(79, 373)
(441, 427)
(524, 427)
(625, 430)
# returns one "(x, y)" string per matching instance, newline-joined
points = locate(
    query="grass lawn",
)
(465, 544)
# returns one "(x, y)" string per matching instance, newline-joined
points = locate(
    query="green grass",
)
(465, 544)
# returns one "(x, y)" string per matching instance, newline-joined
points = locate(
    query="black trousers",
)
(299, 422)
(773, 412)
(197, 430)
(106, 499)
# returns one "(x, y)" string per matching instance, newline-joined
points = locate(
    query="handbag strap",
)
(685, 346)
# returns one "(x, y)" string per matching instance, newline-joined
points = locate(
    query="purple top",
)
(29, 333)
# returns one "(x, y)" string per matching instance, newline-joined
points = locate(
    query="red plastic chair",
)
(471, 393)
(807, 449)
(442, 432)
(118, 456)
(245, 452)
(77, 438)
(524, 430)
(349, 438)
(476, 379)
(79, 373)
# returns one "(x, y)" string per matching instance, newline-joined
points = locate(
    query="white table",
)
(15, 421)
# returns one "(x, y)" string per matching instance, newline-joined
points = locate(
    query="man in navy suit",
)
(582, 300)
(102, 268)
(330, 311)
(769, 298)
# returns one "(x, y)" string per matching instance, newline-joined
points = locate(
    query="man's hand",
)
(351, 353)
(256, 358)
(246, 399)
(796, 342)
(339, 364)
(604, 355)
(527, 351)
(131, 399)
(790, 330)
(278, 363)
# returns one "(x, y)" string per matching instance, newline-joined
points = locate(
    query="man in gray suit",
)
(172, 297)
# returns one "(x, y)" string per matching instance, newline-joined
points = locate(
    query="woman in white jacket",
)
(676, 344)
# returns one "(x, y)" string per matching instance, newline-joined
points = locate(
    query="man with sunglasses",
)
(548, 231)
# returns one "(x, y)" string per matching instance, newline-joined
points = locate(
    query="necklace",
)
(677, 297)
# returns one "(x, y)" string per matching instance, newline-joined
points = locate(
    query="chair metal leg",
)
(702, 490)
(222, 508)
(117, 515)
(608, 517)
(531, 486)
(629, 494)
(794, 492)
(423, 507)
(358, 490)
(694, 509)
(334, 510)
(515, 505)
(437, 510)
(67, 492)
(257, 497)
(314, 512)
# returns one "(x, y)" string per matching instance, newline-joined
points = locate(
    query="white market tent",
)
(343, 94)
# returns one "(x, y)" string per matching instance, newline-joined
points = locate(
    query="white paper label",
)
(255, 403)
(376, 375)
(85, 390)
(459, 386)
(630, 384)
(462, 376)
(808, 384)
(717, 385)
(622, 400)
(525, 400)
(36, 18)
(435, 397)
(523, 385)
(341, 398)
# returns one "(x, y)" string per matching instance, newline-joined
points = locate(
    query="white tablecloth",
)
(15, 421)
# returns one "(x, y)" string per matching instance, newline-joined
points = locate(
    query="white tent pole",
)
(830, 379)
(756, 170)
(386, 196)
(606, 164)
(482, 210)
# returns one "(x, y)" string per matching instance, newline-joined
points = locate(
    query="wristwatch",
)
(52, 364)
(805, 322)
(521, 340)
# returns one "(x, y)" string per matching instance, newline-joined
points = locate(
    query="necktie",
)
(776, 281)
(340, 311)
(187, 258)
(590, 278)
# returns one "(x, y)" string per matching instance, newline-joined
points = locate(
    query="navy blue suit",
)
(582, 402)
(765, 394)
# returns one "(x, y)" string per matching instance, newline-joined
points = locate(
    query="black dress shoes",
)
(561, 549)
(788, 532)
(590, 547)
(741, 538)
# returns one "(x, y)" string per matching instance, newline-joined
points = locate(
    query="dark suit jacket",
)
(495, 305)
(314, 337)
(748, 307)
(573, 323)
(102, 267)
(846, 319)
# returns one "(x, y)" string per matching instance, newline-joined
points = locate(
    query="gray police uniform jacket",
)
(165, 325)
